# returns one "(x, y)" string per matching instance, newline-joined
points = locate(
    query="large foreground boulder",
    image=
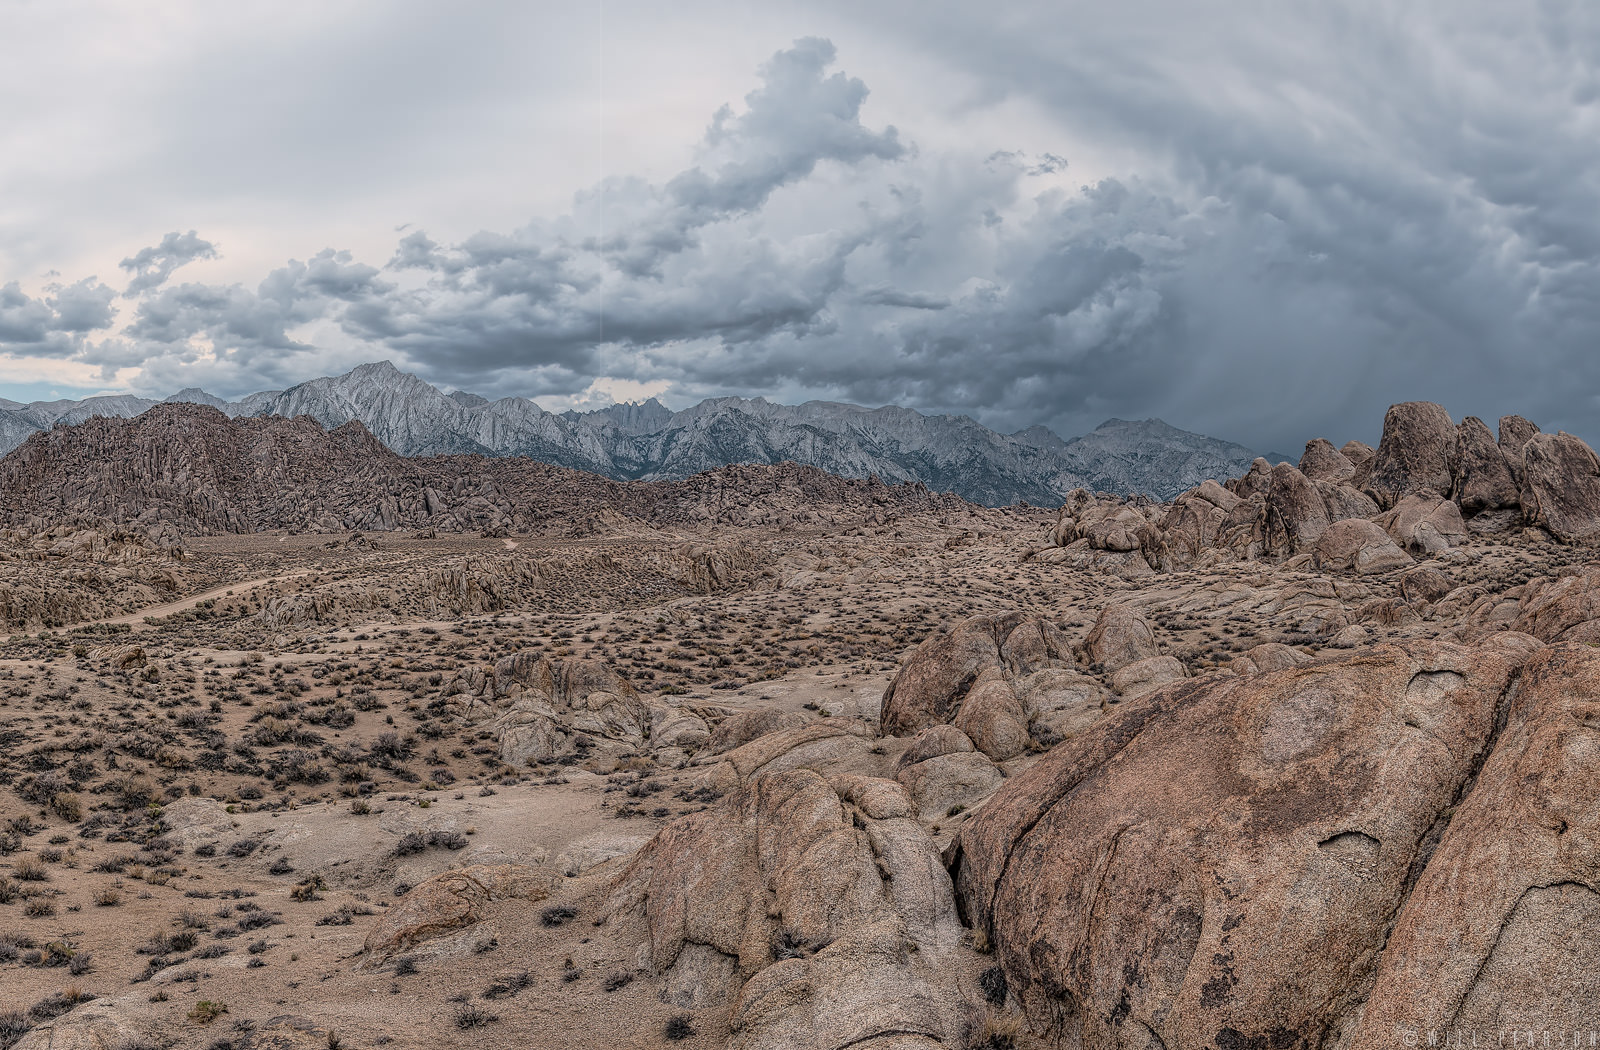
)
(1219, 863)
(817, 909)
(1498, 934)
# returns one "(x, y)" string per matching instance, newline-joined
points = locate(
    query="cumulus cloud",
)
(1318, 214)
(53, 325)
(152, 266)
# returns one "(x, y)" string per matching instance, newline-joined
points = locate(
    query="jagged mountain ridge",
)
(648, 441)
(202, 472)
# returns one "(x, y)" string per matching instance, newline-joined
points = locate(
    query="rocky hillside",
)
(193, 467)
(650, 442)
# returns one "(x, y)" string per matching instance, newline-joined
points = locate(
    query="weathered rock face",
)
(451, 901)
(1561, 487)
(968, 677)
(1425, 524)
(741, 727)
(1483, 480)
(1416, 455)
(942, 770)
(1358, 452)
(1256, 481)
(1120, 636)
(1206, 521)
(1489, 940)
(819, 909)
(928, 690)
(537, 707)
(1268, 657)
(1515, 432)
(1424, 586)
(830, 746)
(1296, 513)
(1141, 676)
(1564, 609)
(1358, 545)
(1218, 863)
(1322, 462)
(1346, 501)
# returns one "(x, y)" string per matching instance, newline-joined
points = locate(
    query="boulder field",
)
(1075, 839)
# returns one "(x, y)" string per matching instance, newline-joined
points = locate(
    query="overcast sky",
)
(1263, 221)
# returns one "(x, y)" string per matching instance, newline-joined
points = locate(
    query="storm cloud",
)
(1264, 224)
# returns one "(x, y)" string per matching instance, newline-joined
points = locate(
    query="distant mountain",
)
(649, 441)
(205, 473)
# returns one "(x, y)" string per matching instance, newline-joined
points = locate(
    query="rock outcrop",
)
(1483, 478)
(980, 676)
(1322, 462)
(1417, 454)
(1359, 546)
(1561, 487)
(1431, 485)
(1120, 636)
(537, 707)
(1488, 940)
(451, 901)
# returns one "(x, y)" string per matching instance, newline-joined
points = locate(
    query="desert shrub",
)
(13, 1026)
(206, 1011)
(558, 915)
(67, 806)
(679, 1027)
(29, 869)
(411, 842)
(471, 1015)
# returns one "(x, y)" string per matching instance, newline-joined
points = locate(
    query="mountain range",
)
(648, 441)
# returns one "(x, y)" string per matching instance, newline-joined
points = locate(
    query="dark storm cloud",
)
(1324, 210)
